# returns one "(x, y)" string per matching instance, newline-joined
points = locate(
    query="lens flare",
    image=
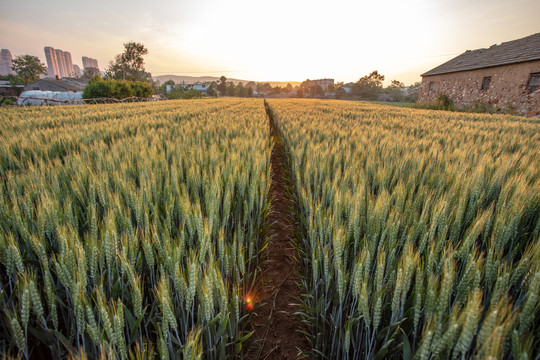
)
(249, 303)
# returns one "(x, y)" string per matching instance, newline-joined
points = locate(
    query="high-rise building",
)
(69, 64)
(89, 63)
(59, 63)
(52, 63)
(76, 70)
(5, 62)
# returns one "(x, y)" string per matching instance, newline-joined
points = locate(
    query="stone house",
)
(502, 78)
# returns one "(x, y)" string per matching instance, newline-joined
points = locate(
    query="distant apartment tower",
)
(5, 62)
(76, 70)
(89, 63)
(52, 63)
(59, 63)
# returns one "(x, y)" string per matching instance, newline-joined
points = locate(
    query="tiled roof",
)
(511, 52)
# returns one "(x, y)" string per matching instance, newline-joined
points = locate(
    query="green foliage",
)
(443, 102)
(341, 93)
(130, 64)
(141, 89)
(222, 86)
(395, 91)
(97, 89)
(28, 67)
(369, 86)
(180, 93)
(117, 89)
(120, 89)
(413, 92)
(90, 73)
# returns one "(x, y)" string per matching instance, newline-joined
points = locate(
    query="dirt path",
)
(276, 328)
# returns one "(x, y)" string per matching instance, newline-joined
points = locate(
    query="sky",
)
(278, 40)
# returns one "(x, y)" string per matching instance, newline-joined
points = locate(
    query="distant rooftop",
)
(511, 52)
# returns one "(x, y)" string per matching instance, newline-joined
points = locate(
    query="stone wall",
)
(507, 90)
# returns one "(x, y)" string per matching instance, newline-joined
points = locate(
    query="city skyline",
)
(289, 41)
(89, 62)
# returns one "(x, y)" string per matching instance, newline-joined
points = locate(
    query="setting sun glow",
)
(277, 41)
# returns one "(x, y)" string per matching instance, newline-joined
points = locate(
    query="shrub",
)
(118, 89)
(97, 89)
(141, 89)
(443, 102)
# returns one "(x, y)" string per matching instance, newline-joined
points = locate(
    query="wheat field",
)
(130, 229)
(420, 230)
(136, 230)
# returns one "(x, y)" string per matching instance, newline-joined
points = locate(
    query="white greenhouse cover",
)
(38, 97)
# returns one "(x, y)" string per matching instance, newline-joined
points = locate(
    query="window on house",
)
(534, 82)
(431, 85)
(486, 82)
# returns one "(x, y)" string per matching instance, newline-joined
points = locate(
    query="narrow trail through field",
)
(276, 329)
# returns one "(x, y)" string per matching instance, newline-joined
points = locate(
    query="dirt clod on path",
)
(276, 329)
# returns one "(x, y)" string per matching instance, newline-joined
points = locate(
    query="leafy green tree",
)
(118, 89)
(369, 86)
(162, 89)
(212, 89)
(97, 89)
(141, 89)
(180, 93)
(331, 88)
(316, 91)
(231, 89)
(413, 91)
(28, 67)
(130, 64)
(13, 79)
(340, 92)
(90, 72)
(222, 87)
(395, 90)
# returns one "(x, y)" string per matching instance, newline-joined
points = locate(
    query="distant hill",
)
(178, 79)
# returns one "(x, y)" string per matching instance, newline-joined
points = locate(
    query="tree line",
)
(126, 76)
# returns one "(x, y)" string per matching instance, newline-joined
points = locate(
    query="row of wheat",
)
(421, 230)
(130, 231)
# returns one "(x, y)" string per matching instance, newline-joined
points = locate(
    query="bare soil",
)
(276, 329)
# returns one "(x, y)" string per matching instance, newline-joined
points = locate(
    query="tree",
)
(222, 87)
(331, 88)
(90, 72)
(289, 88)
(142, 89)
(412, 92)
(340, 92)
(28, 67)
(231, 89)
(395, 90)
(369, 86)
(316, 91)
(212, 89)
(130, 64)
(266, 87)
